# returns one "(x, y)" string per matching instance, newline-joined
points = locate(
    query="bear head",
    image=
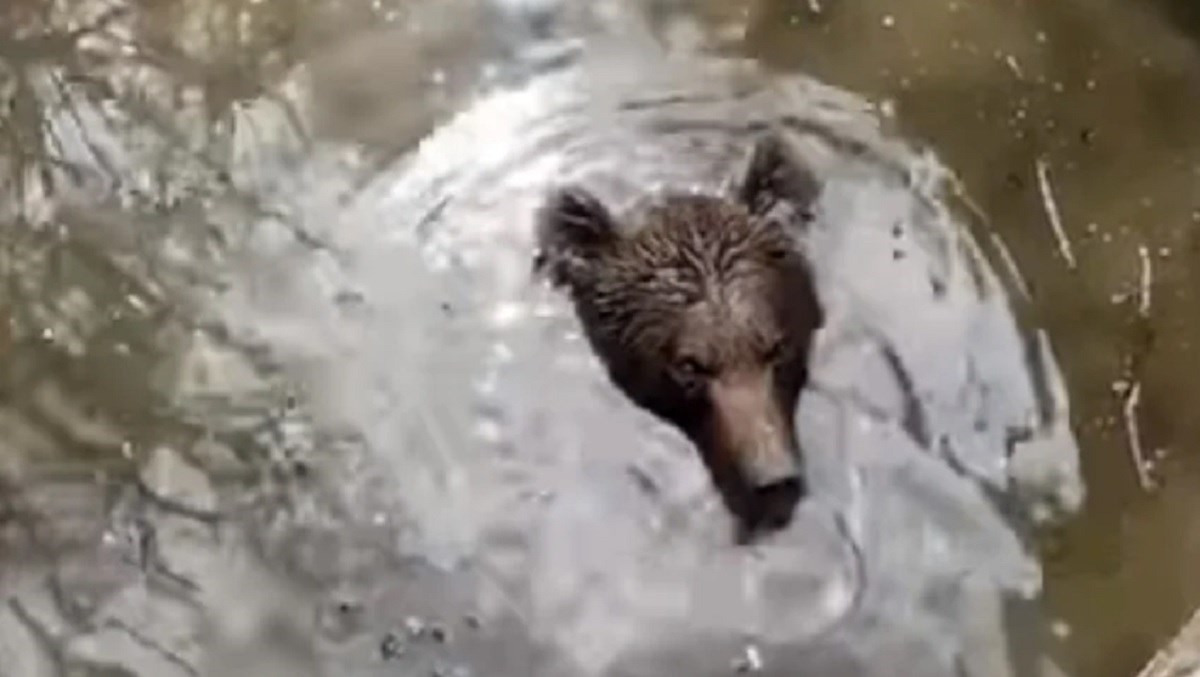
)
(703, 312)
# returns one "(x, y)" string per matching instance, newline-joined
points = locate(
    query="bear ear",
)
(775, 174)
(573, 227)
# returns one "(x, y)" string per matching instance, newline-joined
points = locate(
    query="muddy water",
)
(1104, 93)
(238, 300)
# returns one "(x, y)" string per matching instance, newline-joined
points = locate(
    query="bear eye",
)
(781, 248)
(692, 368)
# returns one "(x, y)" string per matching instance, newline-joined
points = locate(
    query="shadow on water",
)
(227, 450)
(1184, 14)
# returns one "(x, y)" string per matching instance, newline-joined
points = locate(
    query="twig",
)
(1052, 213)
(1010, 265)
(1134, 435)
(1013, 66)
(960, 191)
(1146, 280)
(1006, 257)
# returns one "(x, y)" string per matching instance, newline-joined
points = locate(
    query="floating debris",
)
(415, 627)
(1011, 62)
(418, 629)
(1147, 280)
(1052, 213)
(392, 647)
(1010, 265)
(750, 661)
(438, 633)
(1132, 430)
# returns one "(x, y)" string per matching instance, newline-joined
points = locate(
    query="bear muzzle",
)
(756, 437)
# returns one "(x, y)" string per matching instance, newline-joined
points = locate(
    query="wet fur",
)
(700, 288)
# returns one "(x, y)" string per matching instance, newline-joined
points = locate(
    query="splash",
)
(935, 428)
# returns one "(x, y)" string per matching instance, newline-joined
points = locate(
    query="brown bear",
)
(703, 311)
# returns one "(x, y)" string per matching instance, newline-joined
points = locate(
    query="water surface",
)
(279, 384)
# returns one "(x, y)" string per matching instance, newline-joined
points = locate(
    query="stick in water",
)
(1052, 213)
(1135, 438)
(1147, 280)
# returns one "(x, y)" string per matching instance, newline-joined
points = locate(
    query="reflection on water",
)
(278, 397)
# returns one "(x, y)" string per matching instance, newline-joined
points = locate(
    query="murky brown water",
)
(106, 364)
(1106, 94)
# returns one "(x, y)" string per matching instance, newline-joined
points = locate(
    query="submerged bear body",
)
(703, 310)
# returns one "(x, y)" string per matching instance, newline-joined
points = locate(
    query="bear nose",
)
(774, 503)
(758, 440)
(754, 430)
(775, 484)
(768, 463)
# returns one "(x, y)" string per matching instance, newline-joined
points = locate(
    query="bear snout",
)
(773, 504)
(756, 439)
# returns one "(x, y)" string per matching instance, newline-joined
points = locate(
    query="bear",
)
(703, 311)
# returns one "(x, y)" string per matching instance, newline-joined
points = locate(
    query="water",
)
(291, 395)
(1101, 92)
